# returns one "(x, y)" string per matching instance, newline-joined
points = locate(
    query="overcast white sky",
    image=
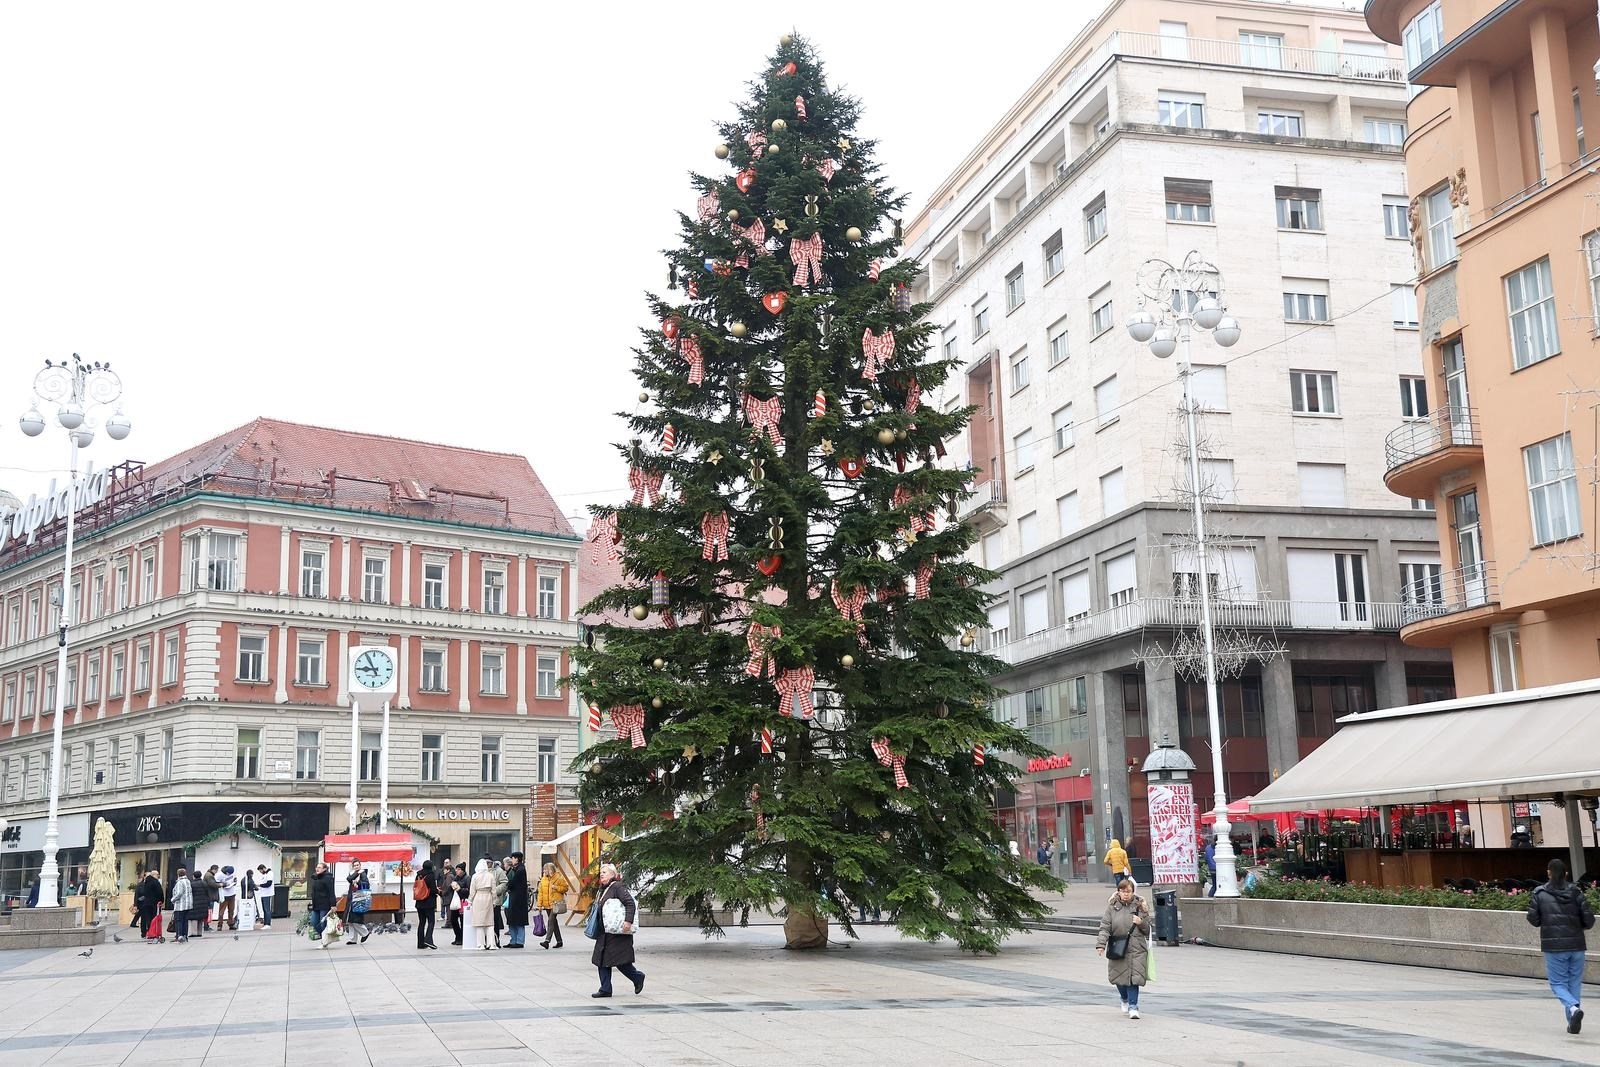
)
(430, 220)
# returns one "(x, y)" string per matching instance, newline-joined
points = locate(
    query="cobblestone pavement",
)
(275, 998)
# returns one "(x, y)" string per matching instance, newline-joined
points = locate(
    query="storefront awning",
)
(1526, 743)
(368, 848)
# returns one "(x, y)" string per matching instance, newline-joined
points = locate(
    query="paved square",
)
(276, 999)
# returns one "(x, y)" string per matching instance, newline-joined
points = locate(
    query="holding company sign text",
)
(23, 523)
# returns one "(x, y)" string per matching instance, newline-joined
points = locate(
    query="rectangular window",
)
(494, 590)
(1067, 513)
(1028, 532)
(1413, 397)
(307, 754)
(1422, 583)
(1181, 109)
(1208, 388)
(1094, 220)
(1384, 131)
(1058, 340)
(371, 754)
(1217, 483)
(118, 673)
(492, 667)
(30, 686)
(1403, 305)
(1530, 300)
(138, 759)
(1054, 259)
(1061, 427)
(247, 753)
(432, 757)
(1552, 490)
(33, 616)
(1439, 216)
(91, 679)
(124, 587)
(142, 655)
(47, 702)
(1423, 35)
(1396, 218)
(1121, 580)
(549, 592)
(1322, 485)
(375, 579)
(433, 676)
(1281, 123)
(1538, 146)
(1113, 494)
(489, 758)
(548, 667)
(1303, 304)
(952, 343)
(169, 660)
(1591, 251)
(8, 709)
(1261, 50)
(980, 319)
(1016, 289)
(1299, 208)
(313, 572)
(1075, 596)
(1174, 40)
(1314, 392)
(89, 763)
(97, 596)
(72, 684)
(1022, 449)
(1101, 315)
(1188, 200)
(1035, 612)
(214, 561)
(1577, 122)
(1019, 370)
(147, 581)
(547, 759)
(308, 660)
(433, 585)
(166, 754)
(1505, 656)
(252, 658)
(1106, 402)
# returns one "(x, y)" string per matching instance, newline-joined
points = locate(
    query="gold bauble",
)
(853, 233)
(658, 663)
(967, 639)
(778, 125)
(886, 436)
(641, 612)
(722, 151)
(644, 398)
(594, 768)
(772, 149)
(867, 403)
(733, 214)
(899, 435)
(786, 40)
(737, 329)
(655, 702)
(847, 660)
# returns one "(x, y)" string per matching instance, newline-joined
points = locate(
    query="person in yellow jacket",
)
(1117, 860)
(553, 887)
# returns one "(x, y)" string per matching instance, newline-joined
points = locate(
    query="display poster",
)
(1172, 830)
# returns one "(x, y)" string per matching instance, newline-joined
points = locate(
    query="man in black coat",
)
(1562, 913)
(517, 901)
(323, 895)
(200, 912)
(428, 882)
(461, 887)
(615, 949)
(147, 898)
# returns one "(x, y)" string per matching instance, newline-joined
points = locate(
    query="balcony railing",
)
(985, 497)
(1462, 589)
(1449, 427)
(1184, 613)
(1260, 56)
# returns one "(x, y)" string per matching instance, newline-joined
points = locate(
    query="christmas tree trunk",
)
(798, 727)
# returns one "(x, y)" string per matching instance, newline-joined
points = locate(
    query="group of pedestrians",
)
(192, 895)
(497, 898)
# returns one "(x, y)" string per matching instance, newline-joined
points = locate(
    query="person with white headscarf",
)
(483, 904)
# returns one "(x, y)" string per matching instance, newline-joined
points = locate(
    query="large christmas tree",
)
(798, 726)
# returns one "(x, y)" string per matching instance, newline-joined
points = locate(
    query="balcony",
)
(1435, 608)
(1165, 612)
(1417, 454)
(987, 504)
(1263, 56)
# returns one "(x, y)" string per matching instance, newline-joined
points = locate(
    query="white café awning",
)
(1525, 743)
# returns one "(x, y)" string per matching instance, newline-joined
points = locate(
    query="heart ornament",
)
(775, 302)
(745, 179)
(770, 565)
(852, 467)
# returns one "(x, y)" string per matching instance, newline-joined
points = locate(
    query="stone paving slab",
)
(272, 998)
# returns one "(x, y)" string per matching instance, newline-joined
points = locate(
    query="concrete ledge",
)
(49, 928)
(1457, 939)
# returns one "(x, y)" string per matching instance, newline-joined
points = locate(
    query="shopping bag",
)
(361, 902)
(155, 928)
(591, 928)
(1150, 960)
(538, 924)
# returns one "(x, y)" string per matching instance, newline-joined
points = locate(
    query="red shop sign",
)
(1050, 763)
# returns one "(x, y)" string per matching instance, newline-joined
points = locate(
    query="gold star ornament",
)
(780, 226)
(826, 448)
(714, 458)
(690, 752)
(844, 144)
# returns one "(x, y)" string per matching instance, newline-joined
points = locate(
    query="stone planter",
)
(1460, 939)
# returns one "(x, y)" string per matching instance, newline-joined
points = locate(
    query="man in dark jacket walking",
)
(517, 902)
(147, 898)
(323, 895)
(615, 949)
(1562, 913)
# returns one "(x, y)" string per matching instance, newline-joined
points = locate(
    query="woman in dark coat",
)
(615, 949)
(147, 898)
(202, 904)
(460, 888)
(517, 902)
(427, 905)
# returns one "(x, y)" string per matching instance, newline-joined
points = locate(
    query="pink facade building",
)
(215, 597)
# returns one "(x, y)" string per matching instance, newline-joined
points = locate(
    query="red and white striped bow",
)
(800, 107)
(828, 168)
(977, 754)
(850, 606)
(759, 638)
(756, 234)
(924, 579)
(628, 719)
(757, 142)
(669, 438)
(594, 718)
(668, 619)
(819, 406)
(763, 416)
(766, 741)
(913, 397)
(755, 806)
(714, 530)
(880, 748)
(689, 349)
(644, 482)
(874, 270)
(806, 253)
(603, 538)
(920, 520)
(794, 691)
(878, 350)
(706, 207)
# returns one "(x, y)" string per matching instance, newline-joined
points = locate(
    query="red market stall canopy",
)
(368, 848)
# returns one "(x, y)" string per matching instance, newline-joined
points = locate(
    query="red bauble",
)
(669, 329)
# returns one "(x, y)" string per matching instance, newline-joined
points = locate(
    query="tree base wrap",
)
(805, 930)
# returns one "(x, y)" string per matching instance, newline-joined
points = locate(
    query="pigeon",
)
(117, 938)
(87, 954)
(236, 937)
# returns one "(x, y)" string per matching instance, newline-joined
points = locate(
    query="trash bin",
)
(1167, 917)
(280, 902)
(1143, 870)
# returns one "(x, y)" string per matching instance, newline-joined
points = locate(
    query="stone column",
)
(522, 677)
(1391, 678)
(463, 678)
(283, 561)
(1283, 733)
(1552, 85)
(403, 695)
(281, 693)
(405, 574)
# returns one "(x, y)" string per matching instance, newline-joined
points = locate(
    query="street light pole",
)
(1181, 309)
(74, 389)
